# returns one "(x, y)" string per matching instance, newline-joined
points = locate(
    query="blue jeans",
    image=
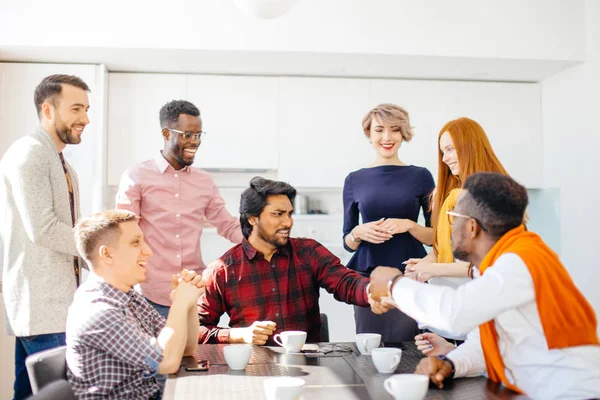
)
(26, 346)
(162, 310)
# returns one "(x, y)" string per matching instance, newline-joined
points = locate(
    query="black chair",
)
(324, 333)
(57, 390)
(46, 367)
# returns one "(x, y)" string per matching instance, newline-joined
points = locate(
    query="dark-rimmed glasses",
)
(188, 135)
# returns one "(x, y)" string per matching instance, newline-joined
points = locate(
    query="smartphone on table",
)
(202, 366)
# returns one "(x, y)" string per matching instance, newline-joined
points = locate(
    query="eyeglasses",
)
(188, 135)
(452, 215)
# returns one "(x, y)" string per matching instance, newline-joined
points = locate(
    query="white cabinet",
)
(239, 114)
(320, 130)
(510, 113)
(18, 117)
(134, 131)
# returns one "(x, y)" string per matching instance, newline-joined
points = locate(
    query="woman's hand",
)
(372, 232)
(421, 271)
(433, 345)
(397, 225)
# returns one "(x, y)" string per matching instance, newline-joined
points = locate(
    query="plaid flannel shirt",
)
(112, 352)
(285, 290)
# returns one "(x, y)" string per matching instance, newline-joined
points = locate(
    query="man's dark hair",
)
(497, 201)
(254, 199)
(169, 113)
(51, 87)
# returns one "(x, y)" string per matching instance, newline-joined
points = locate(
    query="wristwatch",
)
(353, 238)
(391, 284)
(444, 358)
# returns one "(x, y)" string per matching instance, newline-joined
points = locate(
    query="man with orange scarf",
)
(530, 327)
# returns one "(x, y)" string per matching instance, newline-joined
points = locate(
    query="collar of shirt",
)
(112, 292)
(251, 252)
(163, 165)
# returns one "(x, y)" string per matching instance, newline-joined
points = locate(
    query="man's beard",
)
(66, 134)
(459, 254)
(273, 239)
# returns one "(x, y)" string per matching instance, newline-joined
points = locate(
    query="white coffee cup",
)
(365, 342)
(283, 388)
(386, 359)
(237, 355)
(407, 386)
(291, 341)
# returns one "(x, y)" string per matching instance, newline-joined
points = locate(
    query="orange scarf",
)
(567, 318)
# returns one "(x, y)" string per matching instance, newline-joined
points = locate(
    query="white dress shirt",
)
(505, 294)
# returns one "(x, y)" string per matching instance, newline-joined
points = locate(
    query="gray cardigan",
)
(37, 245)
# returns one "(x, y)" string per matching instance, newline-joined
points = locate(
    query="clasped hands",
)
(187, 286)
(380, 231)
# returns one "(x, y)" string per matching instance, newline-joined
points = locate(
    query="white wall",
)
(513, 29)
(570, 109)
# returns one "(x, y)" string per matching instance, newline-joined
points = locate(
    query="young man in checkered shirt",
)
(118, 346)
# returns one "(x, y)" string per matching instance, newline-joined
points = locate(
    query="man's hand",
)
(379, 281)
(185, 276)
(382, 306)
(436, 369)
(187, 286)
(259, 332)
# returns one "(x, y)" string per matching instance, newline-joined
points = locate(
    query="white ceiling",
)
(293, 63)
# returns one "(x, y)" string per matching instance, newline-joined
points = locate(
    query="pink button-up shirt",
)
(172, 205)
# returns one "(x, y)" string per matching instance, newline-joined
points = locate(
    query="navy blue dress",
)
(387, 191)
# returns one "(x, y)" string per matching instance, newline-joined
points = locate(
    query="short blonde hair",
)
(392, 115)
(100, 229)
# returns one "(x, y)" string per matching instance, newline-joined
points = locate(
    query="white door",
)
(239, 114)
(134, 131)
(320, 130)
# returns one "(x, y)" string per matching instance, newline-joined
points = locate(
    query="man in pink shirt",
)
(172, 198)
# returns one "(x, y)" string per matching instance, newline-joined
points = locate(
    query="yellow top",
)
(444, 247)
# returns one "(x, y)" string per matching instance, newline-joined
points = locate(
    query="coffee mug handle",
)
(387, 385)
(396, 361)
(277, 339)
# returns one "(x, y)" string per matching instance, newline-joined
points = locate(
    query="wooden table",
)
(340, 374)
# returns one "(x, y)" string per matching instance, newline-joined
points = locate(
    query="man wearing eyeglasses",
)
(172, 199)
(530, 327)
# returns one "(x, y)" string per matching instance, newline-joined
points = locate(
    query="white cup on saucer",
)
(365, 342)
(291, 341)
(237, 356)
(407, 386)
(386, 359)
(283, 388)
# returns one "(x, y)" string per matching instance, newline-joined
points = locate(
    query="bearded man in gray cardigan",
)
(39, 204)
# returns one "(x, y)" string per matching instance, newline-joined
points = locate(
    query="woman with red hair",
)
(464, 149)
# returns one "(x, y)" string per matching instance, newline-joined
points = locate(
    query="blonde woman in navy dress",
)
(388, 195)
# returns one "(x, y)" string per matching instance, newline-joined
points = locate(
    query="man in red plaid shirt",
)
(270, 282)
